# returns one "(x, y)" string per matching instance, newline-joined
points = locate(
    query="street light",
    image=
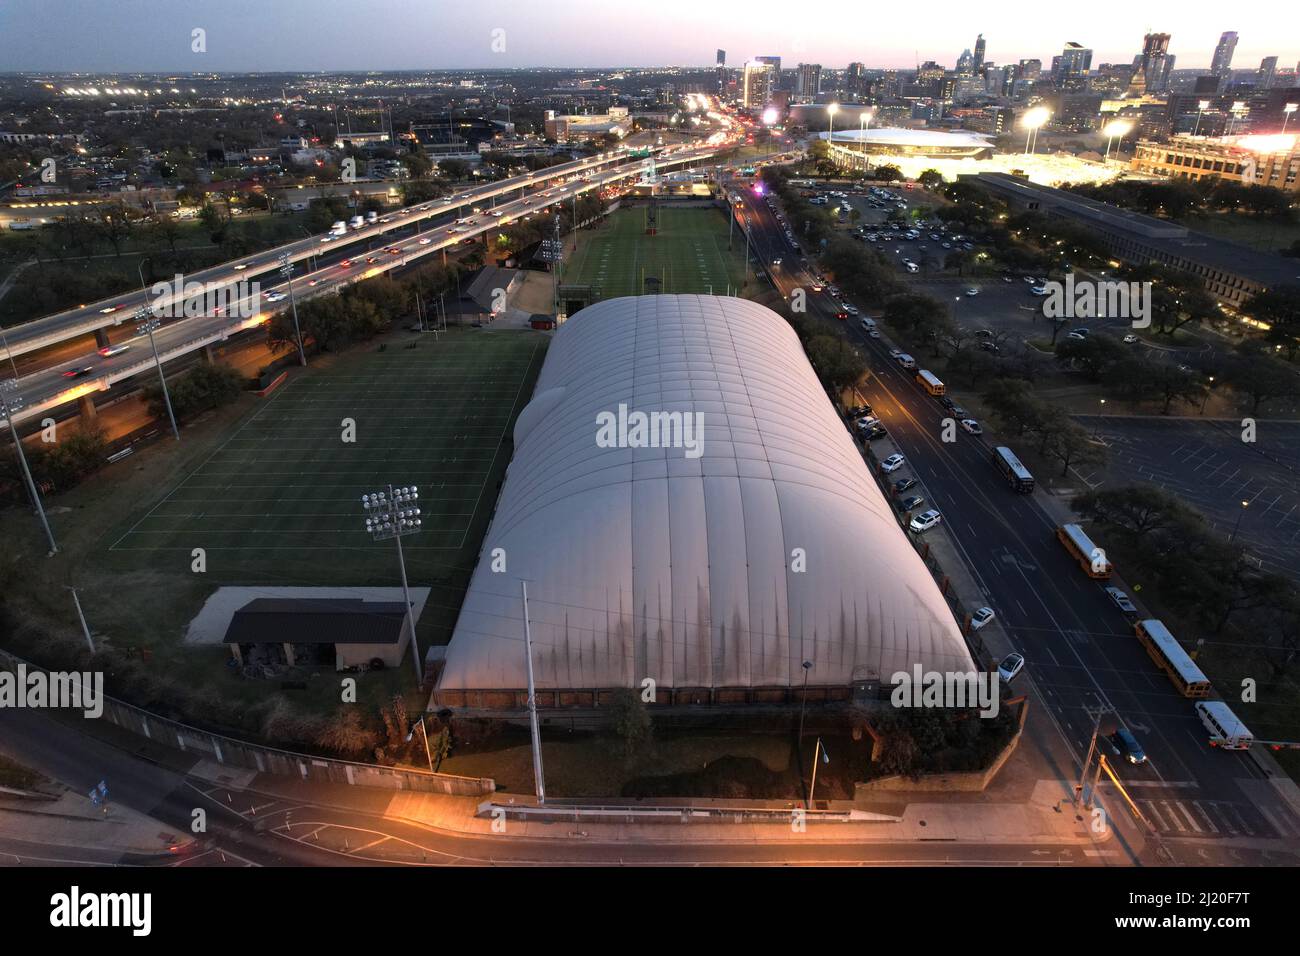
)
(1240, 514)
(1201, 107)
(818, 751)
(1286, 113)
(10, 402)
(146, 324)
(1116, 128)
(807, 666)
(286, 270)
(1031, 121)
(425, 731)
(392, 514)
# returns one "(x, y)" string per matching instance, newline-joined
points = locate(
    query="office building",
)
(979, 53)
(756, 84)
(1267, 70)
(808, 80)
(1246, 160)
(1221, 65)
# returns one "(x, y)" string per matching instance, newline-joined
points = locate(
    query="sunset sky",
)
(147, 35)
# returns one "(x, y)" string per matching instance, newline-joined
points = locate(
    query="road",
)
(253, 293)
(1081, 650)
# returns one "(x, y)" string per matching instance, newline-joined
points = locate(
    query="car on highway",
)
(425, 241)
(241, 266)
(980, 617)
(971, 427)
(346, 263)
(972, 291)
(892, 463)
(1125, 746)
(371, 260)
(895, 353)
(1010, 666)
(276, 296)
(79, 372)
(1121, 600)
(118, 349)
(1131, 339)
(110, 310)
(911, 503)
(925, 521)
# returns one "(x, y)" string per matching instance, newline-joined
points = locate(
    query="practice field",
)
(279, 502)
(687, 255)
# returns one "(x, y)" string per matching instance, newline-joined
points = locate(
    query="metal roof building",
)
(682, 564)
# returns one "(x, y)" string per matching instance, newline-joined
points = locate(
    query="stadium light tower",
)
(1201, 107)
(10, 402)
(286, 270)
(1286, 113)
(1031, 121)
(831, 110)
(1238, 109)
(1116, 128)
(147, 324)
(392, 514)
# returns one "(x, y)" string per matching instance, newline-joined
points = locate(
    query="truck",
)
(357, 222)
(372, 217)
(339, 228)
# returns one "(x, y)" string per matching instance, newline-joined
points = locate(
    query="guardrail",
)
(231, 752)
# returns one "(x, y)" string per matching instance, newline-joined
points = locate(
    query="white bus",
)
(930, 382)
(1090, 557)
(1225, 729)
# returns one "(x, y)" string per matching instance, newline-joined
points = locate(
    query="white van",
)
(1226, 730)
(868, 323)
(907, 361)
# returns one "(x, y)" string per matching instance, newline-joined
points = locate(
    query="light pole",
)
(85, 628)
(1097, 433)
(1032, 120)
(1286, 113)
(818, 751)
(286, 270)
(539, 776)
(1238, 108)
(1113, 129)
(146, 324)
(1201, 107)
(391, 514)
(807, 666)
(1240, 514)
(10, 402)
(1206, 397)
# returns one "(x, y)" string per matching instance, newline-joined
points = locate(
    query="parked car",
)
(981, 616)
(1131, 339)
(1010, 666)
(925, 521)
(911, 502)
(875, 432)
(971, 427)
(902, 484)
(892, 463)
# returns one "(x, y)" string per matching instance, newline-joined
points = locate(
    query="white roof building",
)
(681, 567)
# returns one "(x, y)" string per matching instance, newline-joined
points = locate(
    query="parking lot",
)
(1208, 465)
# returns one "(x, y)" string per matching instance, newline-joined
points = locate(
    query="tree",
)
(930, 178)
(1069, 442)
(1280, 308)
(837, 364)
(1171, 383)
(1256, 374)
(889, 173)
(1093, 354)
(454, 168)
(630, 720)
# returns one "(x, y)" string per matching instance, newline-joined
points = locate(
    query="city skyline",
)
(74, 36)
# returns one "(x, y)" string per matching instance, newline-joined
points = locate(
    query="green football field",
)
(687, 255)
(278, 502)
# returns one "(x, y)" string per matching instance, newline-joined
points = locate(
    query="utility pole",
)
(85, 628)
(286, 270)
(148, 323)
(539, 779)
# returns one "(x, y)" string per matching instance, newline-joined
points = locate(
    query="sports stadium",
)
(716, 572)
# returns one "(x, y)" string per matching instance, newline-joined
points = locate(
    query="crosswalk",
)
(1218, 818)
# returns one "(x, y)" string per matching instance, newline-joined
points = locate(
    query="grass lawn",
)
(272, 494)
(688, 254)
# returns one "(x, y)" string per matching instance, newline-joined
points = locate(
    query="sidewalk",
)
(71, 820)
(1035, 821)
